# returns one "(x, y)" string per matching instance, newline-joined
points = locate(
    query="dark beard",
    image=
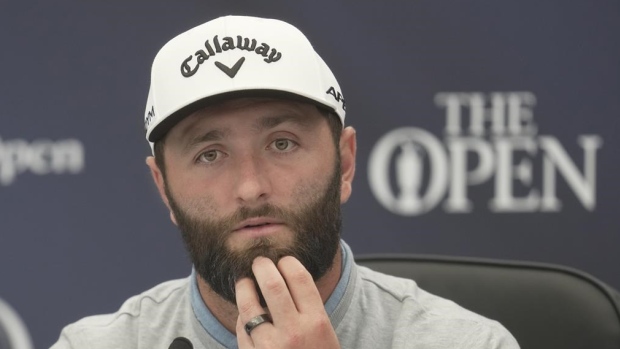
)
(315, 225)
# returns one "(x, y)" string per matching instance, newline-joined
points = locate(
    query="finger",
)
(246, 296)
(275, 291)
(249, 307)
(301, 286)
(243, 339)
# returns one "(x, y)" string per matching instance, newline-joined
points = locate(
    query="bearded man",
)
(253, 161)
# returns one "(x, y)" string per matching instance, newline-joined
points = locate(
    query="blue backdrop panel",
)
(484, 129)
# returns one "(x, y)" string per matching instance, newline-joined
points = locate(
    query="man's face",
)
(250, 178)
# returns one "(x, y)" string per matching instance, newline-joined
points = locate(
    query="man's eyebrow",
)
(261, 124)
(269, 122)
(213, 135)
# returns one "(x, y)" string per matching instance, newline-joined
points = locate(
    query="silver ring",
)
(255, 321)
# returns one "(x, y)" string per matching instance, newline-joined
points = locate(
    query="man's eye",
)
(283, 144)
(209, 156)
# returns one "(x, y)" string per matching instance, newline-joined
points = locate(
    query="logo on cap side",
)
(337, 96)
(227, 43)
(148, 117)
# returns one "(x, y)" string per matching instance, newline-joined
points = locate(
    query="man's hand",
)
(294, 303)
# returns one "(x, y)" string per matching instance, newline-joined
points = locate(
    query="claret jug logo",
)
(487, 138)
(189, 68)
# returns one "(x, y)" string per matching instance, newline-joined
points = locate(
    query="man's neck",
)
(226, 313)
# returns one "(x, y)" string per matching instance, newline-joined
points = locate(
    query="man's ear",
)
(158, 178)
(348, 149)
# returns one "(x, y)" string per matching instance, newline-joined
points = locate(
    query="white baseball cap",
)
(235, 56)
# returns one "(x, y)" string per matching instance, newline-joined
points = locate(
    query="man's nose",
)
(253, 184)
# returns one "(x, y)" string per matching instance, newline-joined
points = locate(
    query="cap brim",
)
(168, 123)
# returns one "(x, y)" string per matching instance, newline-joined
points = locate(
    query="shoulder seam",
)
(390, 292)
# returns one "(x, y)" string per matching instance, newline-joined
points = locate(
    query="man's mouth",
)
(258, 226)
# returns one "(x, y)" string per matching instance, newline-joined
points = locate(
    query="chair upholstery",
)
(13, 332)
(543, 306)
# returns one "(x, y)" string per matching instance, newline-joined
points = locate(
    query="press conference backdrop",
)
(485, 128)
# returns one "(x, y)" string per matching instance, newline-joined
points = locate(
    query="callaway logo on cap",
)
(235, 56)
